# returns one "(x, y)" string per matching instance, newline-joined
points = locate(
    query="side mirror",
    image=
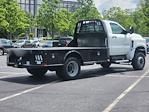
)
(131, 30)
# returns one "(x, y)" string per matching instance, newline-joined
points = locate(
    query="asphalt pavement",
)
(119, 89)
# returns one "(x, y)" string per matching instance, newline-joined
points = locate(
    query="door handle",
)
(114, 37)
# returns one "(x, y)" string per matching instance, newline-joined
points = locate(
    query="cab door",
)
(118, 40)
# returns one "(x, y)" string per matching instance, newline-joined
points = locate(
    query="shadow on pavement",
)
(30, 80)
(101, 71)
(50, 77)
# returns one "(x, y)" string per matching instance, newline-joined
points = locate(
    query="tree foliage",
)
(47, 15)
(62, 21)
(140, 21)
(122, 16)
(12, 17)
(139, 18)
(3, 22)
(87, 11)
(144, 17)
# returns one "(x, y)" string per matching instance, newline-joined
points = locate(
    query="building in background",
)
(71, 6)
(32, 7)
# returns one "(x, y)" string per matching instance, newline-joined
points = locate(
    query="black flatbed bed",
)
(55, 56)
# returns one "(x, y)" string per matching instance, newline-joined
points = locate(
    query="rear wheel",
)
(37, 72)
(106, 64)
(1, 52)
(138, 61)
(70, 70)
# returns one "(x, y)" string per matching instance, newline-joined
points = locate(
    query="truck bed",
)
(55, 56)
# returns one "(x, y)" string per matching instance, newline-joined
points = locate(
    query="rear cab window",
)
(90, 27)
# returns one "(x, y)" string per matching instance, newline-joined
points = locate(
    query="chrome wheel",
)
(70, 70)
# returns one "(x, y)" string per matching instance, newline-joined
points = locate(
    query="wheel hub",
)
(141, 61)
(72, 68)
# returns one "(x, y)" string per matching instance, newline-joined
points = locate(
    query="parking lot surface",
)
(119, 89)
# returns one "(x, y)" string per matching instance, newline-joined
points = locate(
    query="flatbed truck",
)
(95, 41)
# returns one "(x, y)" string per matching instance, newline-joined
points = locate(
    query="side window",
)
(116, 29)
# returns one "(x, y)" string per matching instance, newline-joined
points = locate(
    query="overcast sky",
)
(124, 4)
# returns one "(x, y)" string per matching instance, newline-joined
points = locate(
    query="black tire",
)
(37, 72)
(1, 52)
(105, 64)
(138, 61)
(70, 70)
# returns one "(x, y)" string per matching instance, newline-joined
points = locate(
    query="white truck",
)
(95, 41)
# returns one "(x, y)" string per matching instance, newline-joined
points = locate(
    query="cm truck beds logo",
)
(38, 59)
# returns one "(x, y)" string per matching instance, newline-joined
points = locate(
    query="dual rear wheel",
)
(69, 71)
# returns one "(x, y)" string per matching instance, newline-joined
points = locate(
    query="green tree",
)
(63, 23)
(14, 18)
(122, 16)
(87, 11)
(3, 22)
(140, 21)
(145, 8)
(47, 15)
(143, 17)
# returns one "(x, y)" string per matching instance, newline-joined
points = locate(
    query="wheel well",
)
(141, 49)
(75, 55)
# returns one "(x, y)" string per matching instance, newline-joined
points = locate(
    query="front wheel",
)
(70, 70)
(37, 72)
(138, 61)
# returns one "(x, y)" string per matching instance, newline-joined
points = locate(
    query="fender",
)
(75, 54)
(134, 50)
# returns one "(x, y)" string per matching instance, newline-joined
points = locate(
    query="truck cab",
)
(123, 42)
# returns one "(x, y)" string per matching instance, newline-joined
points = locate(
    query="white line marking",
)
(2, 77)
(10, 76)
(13, 73)
(5, 74)
(23, 92)
(124, 93)
(130, 76)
